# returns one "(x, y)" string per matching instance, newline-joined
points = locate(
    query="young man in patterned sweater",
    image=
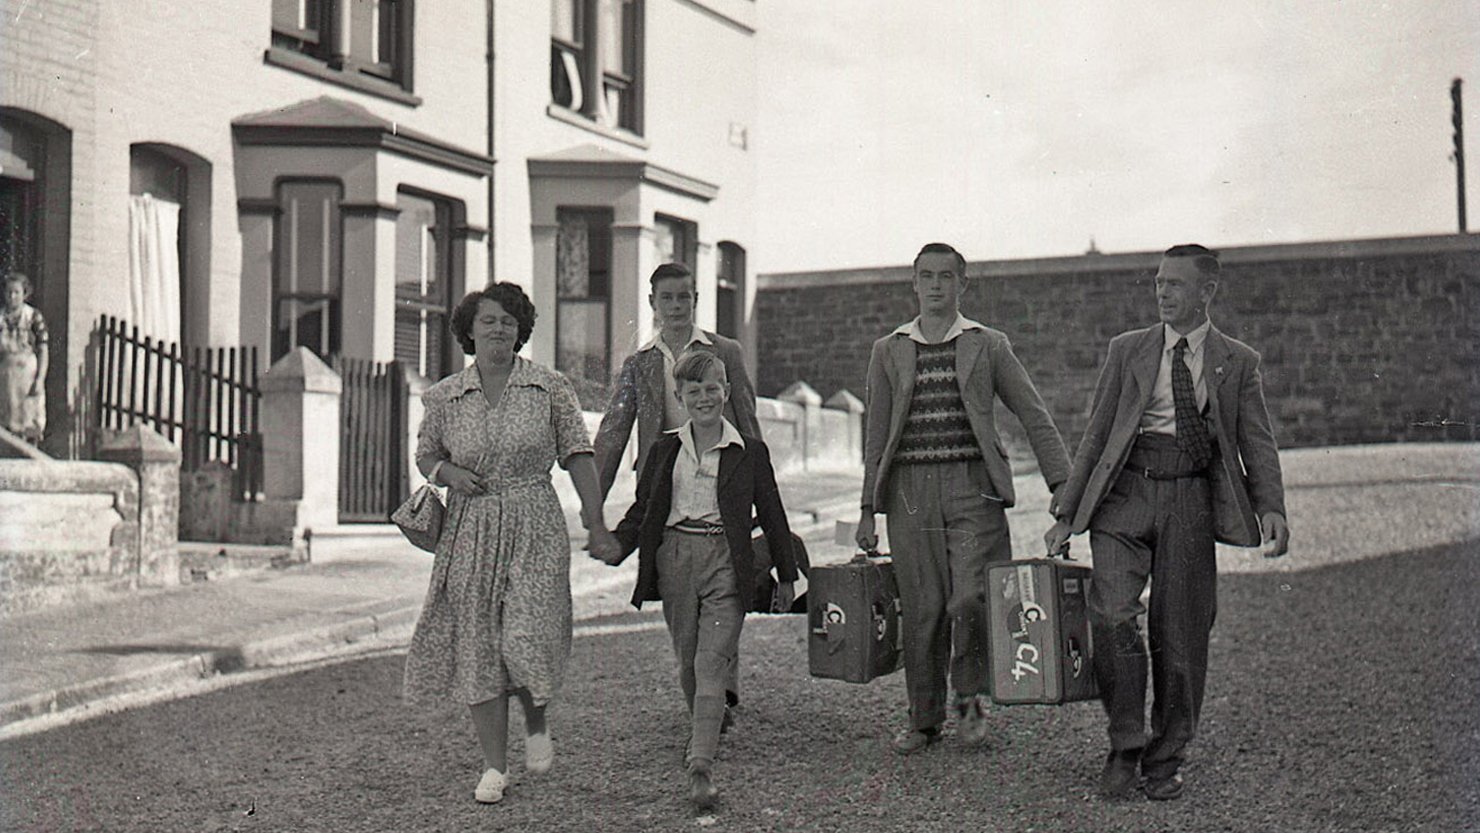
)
(934, 465)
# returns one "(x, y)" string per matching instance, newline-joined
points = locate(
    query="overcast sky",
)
(1024, 128)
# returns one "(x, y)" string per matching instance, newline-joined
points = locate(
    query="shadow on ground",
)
(1345, 698)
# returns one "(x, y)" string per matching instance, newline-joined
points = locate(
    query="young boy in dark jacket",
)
(691, 524)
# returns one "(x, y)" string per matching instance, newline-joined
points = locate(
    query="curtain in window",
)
(154, 266)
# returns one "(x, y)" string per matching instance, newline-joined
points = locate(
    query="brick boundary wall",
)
(1362, 341)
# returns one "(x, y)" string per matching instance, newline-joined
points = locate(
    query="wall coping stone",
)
(65, 476)
(139, 444)
(800, 393)
(1071, 265)
(300, 371)
(844, 400)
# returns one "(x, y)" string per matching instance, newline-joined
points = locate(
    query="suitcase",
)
(1039, 632)
(762, 595)
(853, 620)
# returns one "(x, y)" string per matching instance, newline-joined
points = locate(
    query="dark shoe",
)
(702, 792)
(1164, 789)
(1119, 779)
(728, 721)
(972, 729)
(914, 740)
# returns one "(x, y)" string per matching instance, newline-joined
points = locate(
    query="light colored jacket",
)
(1245, 470)
(986, 369)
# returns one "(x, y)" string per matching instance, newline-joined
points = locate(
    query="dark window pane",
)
(311, 323)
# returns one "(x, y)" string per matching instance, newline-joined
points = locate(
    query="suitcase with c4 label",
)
(1039, 636)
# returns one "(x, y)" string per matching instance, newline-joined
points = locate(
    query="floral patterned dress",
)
(22, 332)
(497, 615)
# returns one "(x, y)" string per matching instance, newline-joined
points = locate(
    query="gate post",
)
(300, 442)
(156, 462)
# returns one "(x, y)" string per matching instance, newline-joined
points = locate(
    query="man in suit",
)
(645, 390)
(646, 393)
(934, 465)
(1178, 453)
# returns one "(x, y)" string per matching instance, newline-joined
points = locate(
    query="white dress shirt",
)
(696, 475)
(1161, 412)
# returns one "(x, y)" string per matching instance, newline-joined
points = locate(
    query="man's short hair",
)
(1205, 259)
(942, 249)
(666, 271)
(693, 364)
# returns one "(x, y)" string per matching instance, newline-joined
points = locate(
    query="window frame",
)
(594, 76)
(327, 52)
(447, 212)
(733, 253)
(279, 252)
(598, 388)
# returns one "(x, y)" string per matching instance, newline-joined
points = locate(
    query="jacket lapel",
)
(968, 349)
(1216, 356)
(730, 458)
(652, 377)
(1146, 362)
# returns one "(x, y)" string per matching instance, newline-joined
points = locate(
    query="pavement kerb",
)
(389, 629)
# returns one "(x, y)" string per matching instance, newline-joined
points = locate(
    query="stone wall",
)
(1362, 341)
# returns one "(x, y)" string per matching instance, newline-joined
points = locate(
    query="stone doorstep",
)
(210, 561)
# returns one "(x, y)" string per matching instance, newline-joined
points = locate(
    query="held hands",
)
(1056, 540)
(605, 547)
(1275, 535)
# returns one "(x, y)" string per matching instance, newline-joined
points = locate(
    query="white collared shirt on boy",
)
(673, 412)
(696, 475)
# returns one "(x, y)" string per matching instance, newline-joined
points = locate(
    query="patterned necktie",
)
(1192, 432)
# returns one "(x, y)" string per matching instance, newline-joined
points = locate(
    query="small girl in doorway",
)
(23, 361)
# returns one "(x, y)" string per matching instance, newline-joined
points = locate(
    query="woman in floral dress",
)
(23, 361)
(497, 617)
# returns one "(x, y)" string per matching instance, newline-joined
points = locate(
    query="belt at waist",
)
(499, 488)
(1157, 457)
(698, 527)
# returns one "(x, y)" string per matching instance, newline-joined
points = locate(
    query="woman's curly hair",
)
(510, 296)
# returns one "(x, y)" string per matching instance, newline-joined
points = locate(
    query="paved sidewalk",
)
(360, 592)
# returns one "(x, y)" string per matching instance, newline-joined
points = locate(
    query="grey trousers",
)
(945, 525)
(1161, 530)
(702, 607)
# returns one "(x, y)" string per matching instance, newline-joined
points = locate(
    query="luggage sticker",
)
(833, 616)
(1026, 612)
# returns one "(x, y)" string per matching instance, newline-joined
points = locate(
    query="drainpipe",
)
(488, 59)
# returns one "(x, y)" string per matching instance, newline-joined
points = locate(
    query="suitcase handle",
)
(863, 557)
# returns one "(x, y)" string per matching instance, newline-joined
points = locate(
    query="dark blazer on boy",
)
(746, 480)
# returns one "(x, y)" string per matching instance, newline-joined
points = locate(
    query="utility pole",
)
(1459, 149)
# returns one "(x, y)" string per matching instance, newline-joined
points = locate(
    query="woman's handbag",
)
(420, 517)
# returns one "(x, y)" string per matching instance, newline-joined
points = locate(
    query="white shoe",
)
(539, 753)
(491, 788)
